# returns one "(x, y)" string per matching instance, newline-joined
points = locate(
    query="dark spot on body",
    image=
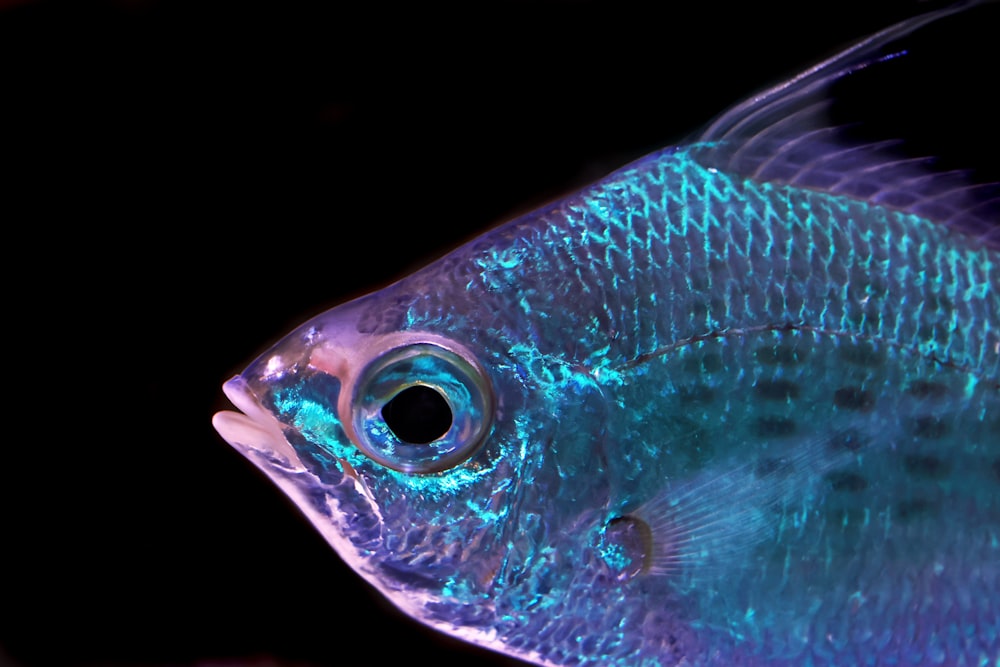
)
(696, 393)
(789, 355)
(851, 439)
(929, 427)
(853, 398)
(706, 363)
(926, 389)
(773, 466)
(996, 469)
(862, 353)
(712, 363)
(843, 480)
(774, 426)
(776, 390)
(929, 467)
(913, 509)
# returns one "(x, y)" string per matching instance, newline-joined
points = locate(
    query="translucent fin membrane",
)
(791, 135)
(712, 523)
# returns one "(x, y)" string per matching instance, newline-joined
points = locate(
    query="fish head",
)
(417, 452)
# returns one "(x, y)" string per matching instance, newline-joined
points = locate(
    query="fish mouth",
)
(256, 433)
(253, 431)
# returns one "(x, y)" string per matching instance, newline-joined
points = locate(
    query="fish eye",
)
(422, 408)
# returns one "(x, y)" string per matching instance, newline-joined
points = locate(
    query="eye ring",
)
(453, 374)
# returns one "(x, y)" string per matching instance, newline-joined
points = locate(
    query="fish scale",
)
(848, 521)
(722, 407)
(854, 244)
(866, 345)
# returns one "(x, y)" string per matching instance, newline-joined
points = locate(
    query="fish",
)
(735, 403)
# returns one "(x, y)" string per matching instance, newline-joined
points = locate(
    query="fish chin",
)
(257, 434)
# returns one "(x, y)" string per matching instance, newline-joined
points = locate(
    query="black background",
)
(187, 180)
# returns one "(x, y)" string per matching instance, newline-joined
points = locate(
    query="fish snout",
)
(253, 430)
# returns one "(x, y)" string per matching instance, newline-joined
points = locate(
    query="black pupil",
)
(417, 415)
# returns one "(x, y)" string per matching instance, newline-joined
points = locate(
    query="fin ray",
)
(716, 520)
(789, 135)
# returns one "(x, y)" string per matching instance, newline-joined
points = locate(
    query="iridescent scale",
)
(738, 403)
(737, 321)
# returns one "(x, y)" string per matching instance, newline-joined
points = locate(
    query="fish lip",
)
(257, 434)
(253, 430)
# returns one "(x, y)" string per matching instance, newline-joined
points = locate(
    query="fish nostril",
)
(853, 398)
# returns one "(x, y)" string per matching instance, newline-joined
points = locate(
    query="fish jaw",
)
(254, 432)
(305, 453)
(337, 500)
(257, 434)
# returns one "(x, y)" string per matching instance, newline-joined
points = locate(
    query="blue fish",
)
(736, 403)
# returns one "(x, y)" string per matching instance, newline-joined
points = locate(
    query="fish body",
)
(737, 403)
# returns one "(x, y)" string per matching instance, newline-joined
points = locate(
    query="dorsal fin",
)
(789, 135)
